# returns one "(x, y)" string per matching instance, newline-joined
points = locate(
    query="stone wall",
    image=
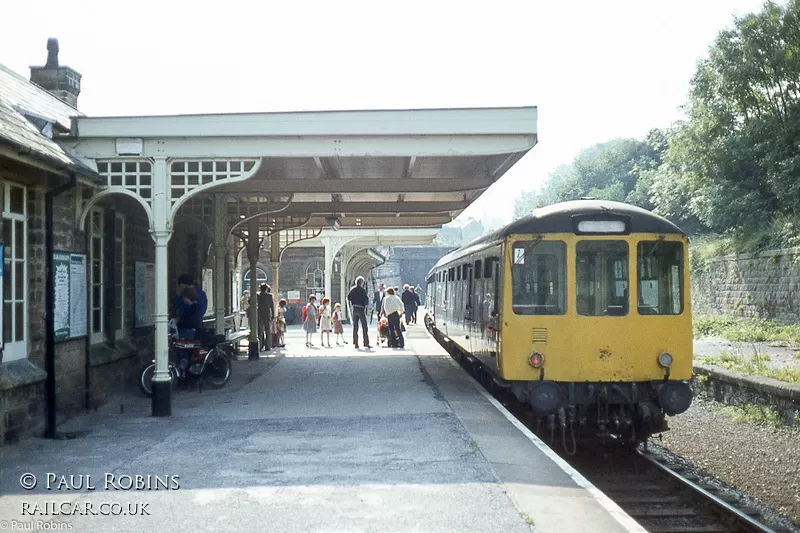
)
(760, 285)
(730, 388)
(87, 374)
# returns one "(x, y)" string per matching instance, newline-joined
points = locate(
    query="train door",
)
(469, 305)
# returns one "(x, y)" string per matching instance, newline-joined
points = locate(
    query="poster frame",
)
(72, 298)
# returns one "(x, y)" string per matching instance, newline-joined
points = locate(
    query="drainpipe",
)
(49, 306)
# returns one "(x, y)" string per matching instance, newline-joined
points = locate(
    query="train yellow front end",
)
(590, 320)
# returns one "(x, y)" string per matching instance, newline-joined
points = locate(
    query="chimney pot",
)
(52, 53)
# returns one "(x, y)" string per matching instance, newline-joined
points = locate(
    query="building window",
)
(15, 273)
(315, 281)
(97, 251)
(119, 276)
(261, 278)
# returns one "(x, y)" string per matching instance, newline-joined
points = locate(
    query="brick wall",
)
(764, 285)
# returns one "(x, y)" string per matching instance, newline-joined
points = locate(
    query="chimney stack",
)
(62, 82)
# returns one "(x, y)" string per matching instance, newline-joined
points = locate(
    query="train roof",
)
(561, 218)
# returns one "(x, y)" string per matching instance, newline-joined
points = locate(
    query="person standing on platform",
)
(310, 322)
(377, 298)
(280, 317)
(338, 329)
(244, 309)
(392, 307)
(266, 310)
(408, 302)
(359, 299)
(417, 304)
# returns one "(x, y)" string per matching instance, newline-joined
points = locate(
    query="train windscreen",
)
(660, 280)
(601, 281)
(538, 275)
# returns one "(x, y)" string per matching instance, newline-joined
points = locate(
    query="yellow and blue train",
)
(582, 311)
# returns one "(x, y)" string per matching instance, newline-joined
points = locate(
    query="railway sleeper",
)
(664, 512)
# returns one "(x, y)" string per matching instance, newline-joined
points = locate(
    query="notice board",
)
(144, 292)
(69, 311)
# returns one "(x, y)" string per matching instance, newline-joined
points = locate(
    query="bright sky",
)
(596, 70)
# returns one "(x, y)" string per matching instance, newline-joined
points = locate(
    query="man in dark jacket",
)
(359, 299)
(408, 302)
(266, 310)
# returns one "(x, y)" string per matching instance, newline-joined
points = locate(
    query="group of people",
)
(387, 304)
(191, 303)
(324, 318)
(271, 322)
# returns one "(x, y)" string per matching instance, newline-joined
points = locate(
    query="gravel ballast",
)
(759, 459)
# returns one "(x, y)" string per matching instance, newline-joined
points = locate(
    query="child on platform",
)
(325, 321)
(338, 329)
(310, 323)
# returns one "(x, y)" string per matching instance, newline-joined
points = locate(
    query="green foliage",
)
(745, 329)
(734, 163)
(732, 167)
(751, 366)
(754, 414)
(609, 171)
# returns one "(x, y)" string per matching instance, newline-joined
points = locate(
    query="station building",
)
(93, 244)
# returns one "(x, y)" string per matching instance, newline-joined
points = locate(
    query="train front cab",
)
(598, 326)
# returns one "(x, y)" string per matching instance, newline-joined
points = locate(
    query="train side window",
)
(464, 271)
(601, 278)
(487, 267)
(538, 278)
(660, 278)
(477, 269)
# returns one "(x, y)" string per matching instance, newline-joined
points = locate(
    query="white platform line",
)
(613, 509)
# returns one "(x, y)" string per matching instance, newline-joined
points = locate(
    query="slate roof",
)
(25, 111)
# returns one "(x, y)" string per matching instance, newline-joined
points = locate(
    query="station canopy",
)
(395, 168)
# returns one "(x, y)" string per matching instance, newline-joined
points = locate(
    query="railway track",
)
(662, 498)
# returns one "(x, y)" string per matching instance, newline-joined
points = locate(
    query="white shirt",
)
(391, 304)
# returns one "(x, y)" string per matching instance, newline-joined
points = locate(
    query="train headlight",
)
(536, 360)
(665, 360)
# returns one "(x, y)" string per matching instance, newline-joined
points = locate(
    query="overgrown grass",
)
(750, 366)
(753, 414)
(746, 329)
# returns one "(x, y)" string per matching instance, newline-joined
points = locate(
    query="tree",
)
(609, 171)
(735, 163)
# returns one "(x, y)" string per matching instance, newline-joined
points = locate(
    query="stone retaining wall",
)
(759, 285)
(731, 388)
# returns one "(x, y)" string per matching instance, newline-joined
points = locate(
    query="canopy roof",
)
(380, 168)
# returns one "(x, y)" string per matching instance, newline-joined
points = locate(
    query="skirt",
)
(310, 326)
(325, 323)
(337, 327)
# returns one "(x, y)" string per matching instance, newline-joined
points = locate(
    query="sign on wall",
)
(69, 310)
(144, 292)
(292, 297)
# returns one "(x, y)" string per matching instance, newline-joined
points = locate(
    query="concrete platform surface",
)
(307, 440)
